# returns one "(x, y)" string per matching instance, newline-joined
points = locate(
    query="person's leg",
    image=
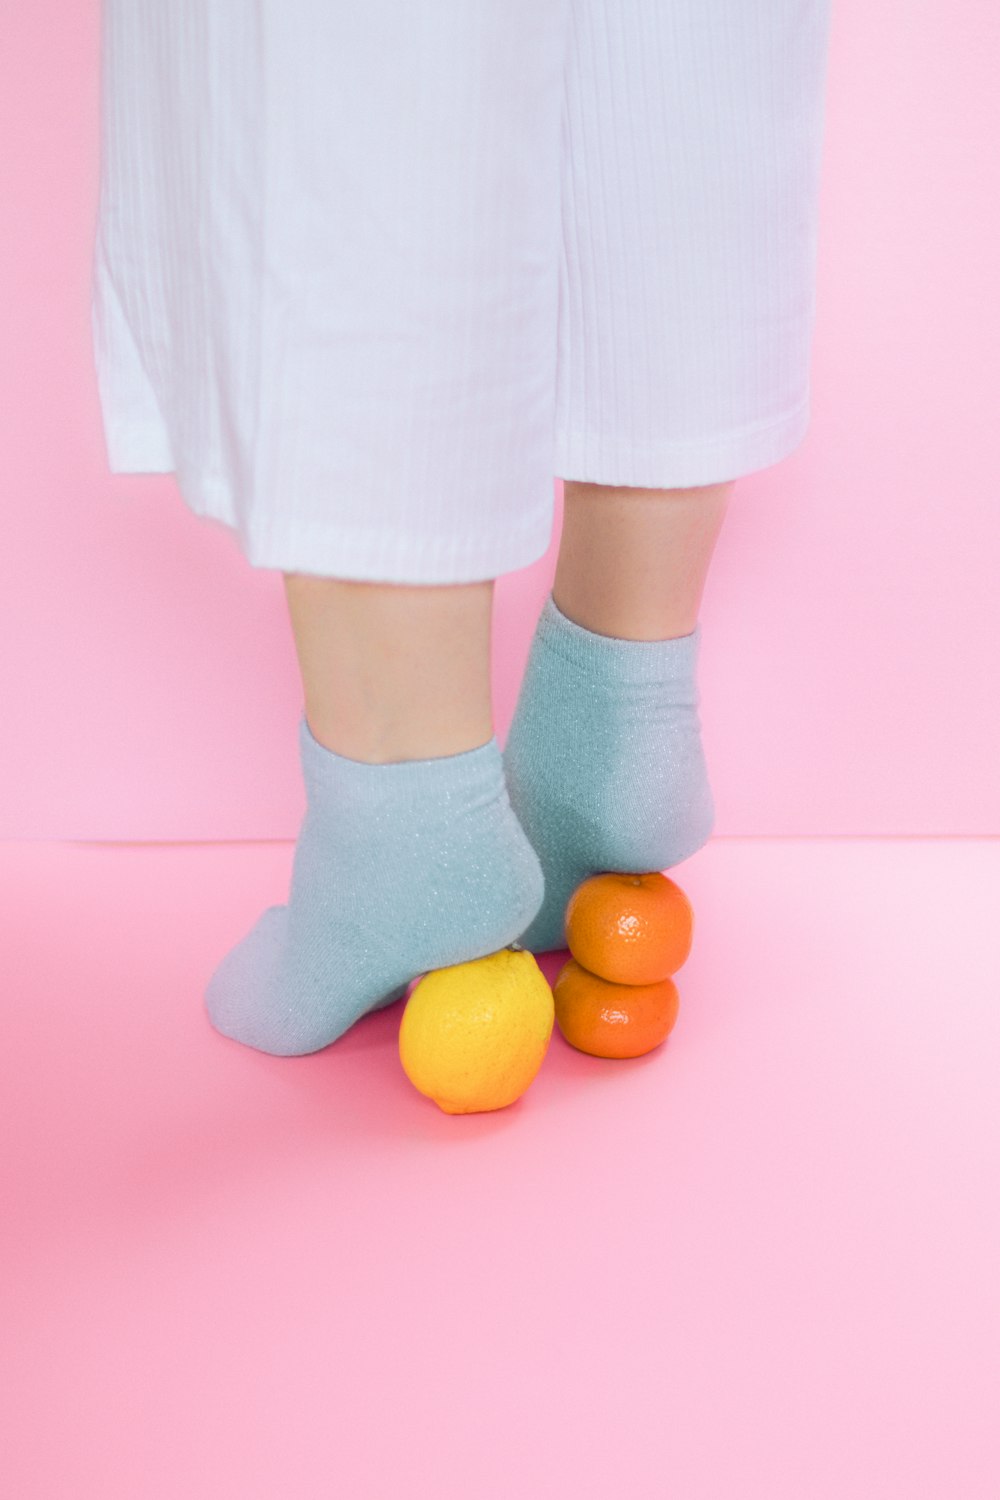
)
(604, 759)
(393, 671)
(633, 562)
(409, 857)
(399, 416)
(686, 299)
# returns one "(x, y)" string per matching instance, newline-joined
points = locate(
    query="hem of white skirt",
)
(334, 549)
(138, 446)
(590, 458)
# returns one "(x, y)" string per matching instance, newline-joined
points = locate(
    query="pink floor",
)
(761, 1262)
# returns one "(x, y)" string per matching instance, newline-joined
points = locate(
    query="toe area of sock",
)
(236, 998)
(255, 998)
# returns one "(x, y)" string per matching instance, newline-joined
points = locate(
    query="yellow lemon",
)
(473, 1035)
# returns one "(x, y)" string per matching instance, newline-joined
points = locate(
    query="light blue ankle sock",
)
(399, 868)
(604, 760)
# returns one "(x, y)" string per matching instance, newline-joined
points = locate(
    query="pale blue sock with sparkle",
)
(604, 760)
(399, 868)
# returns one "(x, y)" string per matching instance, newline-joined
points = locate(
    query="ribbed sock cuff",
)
(674, 660)
(475, 771)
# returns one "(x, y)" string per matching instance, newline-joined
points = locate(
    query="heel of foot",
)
(517, 892)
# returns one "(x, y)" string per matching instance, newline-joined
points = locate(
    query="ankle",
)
(385, 743)
(628, 619)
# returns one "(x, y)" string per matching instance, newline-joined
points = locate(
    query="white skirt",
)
(368, 276)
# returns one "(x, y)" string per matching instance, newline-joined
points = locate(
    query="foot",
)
(604, 761)
(399, 868)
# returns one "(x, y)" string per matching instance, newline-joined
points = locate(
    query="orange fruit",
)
(612, 1020)
(629, 929)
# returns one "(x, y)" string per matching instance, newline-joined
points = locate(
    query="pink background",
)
(852, 618)
(758, 1263)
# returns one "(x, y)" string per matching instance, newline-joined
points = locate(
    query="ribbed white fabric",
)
(367, 276)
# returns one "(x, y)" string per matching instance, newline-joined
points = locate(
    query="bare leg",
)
(393, 671)
(633, 562)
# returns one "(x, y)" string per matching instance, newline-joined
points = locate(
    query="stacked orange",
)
(628, 935)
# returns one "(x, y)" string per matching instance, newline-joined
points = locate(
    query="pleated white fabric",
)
(367, 276)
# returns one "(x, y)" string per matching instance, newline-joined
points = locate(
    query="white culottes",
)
(368, 276)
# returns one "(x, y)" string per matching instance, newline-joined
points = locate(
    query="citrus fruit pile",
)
(473, 1035)
(628, 934)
